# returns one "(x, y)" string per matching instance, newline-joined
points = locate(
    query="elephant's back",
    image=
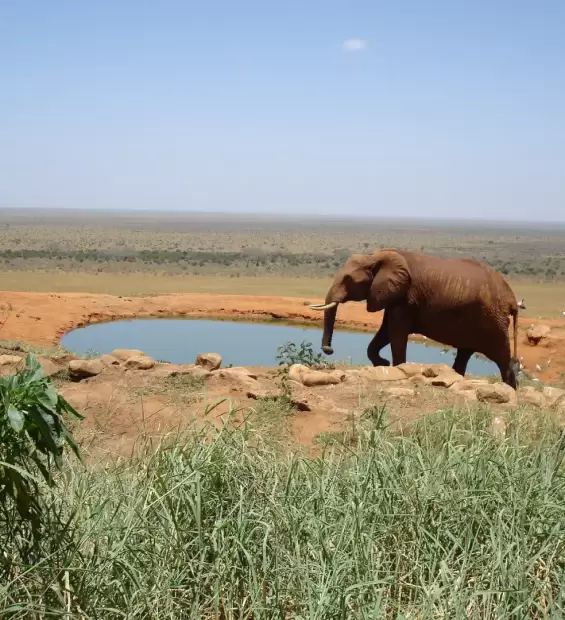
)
(463, 280)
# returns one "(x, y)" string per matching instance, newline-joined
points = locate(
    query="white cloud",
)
(354, 45)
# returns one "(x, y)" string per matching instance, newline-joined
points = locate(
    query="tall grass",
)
(448, 521)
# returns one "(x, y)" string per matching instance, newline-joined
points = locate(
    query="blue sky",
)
(436, 108)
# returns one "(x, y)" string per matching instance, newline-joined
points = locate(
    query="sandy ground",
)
(42, 318)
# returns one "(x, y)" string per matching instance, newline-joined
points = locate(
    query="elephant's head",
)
(380, 278)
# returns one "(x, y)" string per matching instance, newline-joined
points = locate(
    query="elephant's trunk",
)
(329, 321)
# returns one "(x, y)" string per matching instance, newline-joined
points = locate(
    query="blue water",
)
(242, 344)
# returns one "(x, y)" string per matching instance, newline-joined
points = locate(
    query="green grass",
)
(448, 521)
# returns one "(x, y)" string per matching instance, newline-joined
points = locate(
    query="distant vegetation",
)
(244, 247)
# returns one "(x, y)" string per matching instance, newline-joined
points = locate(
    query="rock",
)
(210, 361)
(295, 372)
(196, 371)
(81, 369)
(384, 373)
(234, 371)
(315, 378)
(431, 371)
(536, 333)
(417, 380)
(139, 362)
(468, 396)
(411, 369)
(49, 367)
(173, 370)
(464, 385)
(125, 354)
(109, 360)
(440, 375)
(11, 360)
(306, 376)
(552, 394)
(446, 379)
(496, 393)
(530, 396)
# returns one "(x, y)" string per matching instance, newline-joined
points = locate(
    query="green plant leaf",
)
(16, 418)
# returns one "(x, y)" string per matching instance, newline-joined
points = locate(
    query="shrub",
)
(33, 436)
(289, 353)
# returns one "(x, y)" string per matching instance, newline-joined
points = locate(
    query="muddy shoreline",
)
(43, 318)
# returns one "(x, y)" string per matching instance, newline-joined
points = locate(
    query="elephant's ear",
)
(391, 279)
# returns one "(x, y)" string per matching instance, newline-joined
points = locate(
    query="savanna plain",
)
(239, 493)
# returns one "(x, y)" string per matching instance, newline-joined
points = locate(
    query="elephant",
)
(458, 302)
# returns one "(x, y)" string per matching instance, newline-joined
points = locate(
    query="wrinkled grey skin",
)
(457, 302)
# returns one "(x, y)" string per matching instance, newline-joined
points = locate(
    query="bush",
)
(289, 353)
(33, 436)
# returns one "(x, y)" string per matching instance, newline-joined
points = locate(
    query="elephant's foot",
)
(380, 361)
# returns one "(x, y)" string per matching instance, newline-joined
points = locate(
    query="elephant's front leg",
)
(461, 360)
(399, 328)
(379, 342)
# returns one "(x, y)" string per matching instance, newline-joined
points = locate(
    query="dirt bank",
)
(42, 318)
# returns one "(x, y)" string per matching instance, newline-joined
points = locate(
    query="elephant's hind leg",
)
(379, 342)
(461, 360)
(500, 355)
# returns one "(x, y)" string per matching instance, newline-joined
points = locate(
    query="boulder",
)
(530, 396)
(412, 369)
(496, 393)
(445, 379)
(210, 361)
(383, 373)
(198, 372)
(11, 360)
(235, 372)
(306, 376)
(139, 362)
(440, 375)
(417, 380)
(552, 394)
(536, 333)
(109, 360)
(125, 354)
(49, 367)
(82, 369)
(468, 385)
(467, 396)
(431, 371)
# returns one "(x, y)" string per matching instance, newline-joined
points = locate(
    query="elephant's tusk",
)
(332, 304)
